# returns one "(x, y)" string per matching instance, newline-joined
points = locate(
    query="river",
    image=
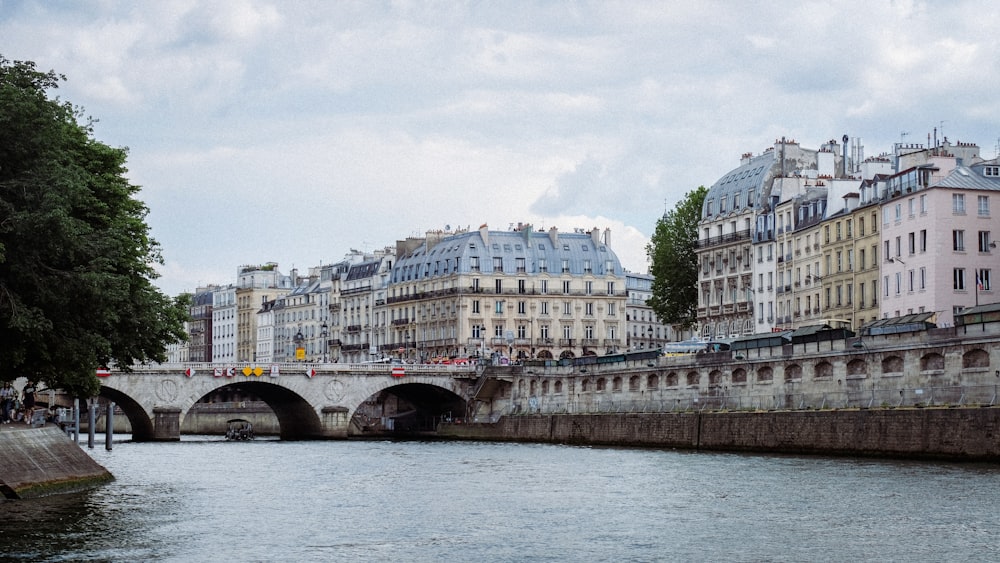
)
(203, 499)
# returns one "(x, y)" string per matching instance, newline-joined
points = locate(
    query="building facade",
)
(506, 294)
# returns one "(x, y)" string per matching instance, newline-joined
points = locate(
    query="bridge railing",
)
(953, 396)
(301, 368)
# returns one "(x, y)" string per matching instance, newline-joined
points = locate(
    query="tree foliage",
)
(76, 258)
(672, 253)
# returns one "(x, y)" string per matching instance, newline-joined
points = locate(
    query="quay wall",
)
(37, 462)
(959, 434)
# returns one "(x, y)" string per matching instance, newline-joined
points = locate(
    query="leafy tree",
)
(76, 258)
(672, 252)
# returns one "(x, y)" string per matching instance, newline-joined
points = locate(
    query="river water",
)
(202, 499)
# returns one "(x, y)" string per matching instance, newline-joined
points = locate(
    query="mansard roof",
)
(973, 177)
(753, 175)
(467, 252)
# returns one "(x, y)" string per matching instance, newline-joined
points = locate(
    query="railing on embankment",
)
(955, 396)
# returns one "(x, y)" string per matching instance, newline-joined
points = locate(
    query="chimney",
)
(554, 236)
(484, 231)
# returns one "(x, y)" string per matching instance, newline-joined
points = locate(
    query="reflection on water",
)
(204, 498)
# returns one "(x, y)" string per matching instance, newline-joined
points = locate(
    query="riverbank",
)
(956, 434)
(42, 461)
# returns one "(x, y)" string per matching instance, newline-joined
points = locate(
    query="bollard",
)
(109, 429)
(92, 421)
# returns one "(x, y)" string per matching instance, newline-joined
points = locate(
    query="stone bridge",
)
(310, 401)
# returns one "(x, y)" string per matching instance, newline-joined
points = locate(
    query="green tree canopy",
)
(76, 258)
(673, 254)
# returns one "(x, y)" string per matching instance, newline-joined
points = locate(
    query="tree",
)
(76, 258)
(673, 254)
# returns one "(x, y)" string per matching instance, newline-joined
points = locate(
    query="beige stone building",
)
(505, 295)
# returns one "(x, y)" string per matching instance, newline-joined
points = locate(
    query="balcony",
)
(353, 328)
(400, 322)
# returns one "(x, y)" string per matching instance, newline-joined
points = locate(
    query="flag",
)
(979, 282)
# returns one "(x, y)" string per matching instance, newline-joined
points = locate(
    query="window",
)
(521, 286)
(497, 264)
(541, 265)
(958, 204)
(588, 309)
(923, 204)
(958, 240)
(958, 275)
(923, 278)
(545, 307)
(587, 268)
(521, 307)
(565, 265)
(498, 286)
(861, 226)
(991, 171)
(522, 331)
(984, 241)
(588, 287)
(543, 286)
(477, 331)
(519, 264)
(923, 240)
(984, 280)
(498, 307)
(984, 205)
(474, 263)
(567, 309)
(475, 306)
(899, 211)
(612, 309)
(911, 242)
(611, 288)
(544, 331)
(565, 285)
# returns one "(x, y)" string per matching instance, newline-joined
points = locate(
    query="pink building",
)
(938, 225)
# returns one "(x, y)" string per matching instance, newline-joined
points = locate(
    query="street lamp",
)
(650, 331)
(298, 343)
(323, 332)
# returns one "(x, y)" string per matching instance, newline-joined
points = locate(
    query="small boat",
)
(239, 429)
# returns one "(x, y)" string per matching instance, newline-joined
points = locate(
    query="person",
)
(6, 401)
(28, 400)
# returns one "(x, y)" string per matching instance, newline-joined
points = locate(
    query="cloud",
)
(292, 132)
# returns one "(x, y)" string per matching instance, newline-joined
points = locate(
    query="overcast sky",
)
(295, 131)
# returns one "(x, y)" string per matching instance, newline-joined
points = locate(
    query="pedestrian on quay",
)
(28, 399)
(7, 396)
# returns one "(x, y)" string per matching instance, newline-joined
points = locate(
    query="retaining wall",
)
(971, 434)
(42, 461)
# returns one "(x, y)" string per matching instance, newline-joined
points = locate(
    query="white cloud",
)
(294, 131)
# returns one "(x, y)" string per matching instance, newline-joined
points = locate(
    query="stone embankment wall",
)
(965, 434)
(36, 462)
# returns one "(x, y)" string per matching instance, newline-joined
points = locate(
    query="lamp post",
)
(650, 331)
(324, 330)
(299, 351)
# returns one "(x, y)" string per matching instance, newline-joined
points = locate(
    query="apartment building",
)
(511, 294)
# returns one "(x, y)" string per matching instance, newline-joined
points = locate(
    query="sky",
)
(295, 132)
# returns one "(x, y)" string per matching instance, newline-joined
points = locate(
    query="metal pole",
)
(91, 422)
(76, 420)
(109, 429)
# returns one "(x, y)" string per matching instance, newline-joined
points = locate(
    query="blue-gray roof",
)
(750, 177)
(524, 251)
(972, 177)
